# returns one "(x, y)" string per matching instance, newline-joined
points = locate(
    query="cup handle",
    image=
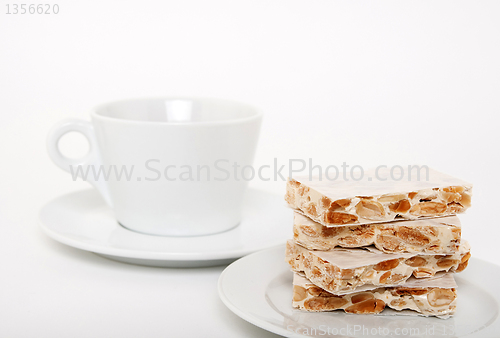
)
(83, 165)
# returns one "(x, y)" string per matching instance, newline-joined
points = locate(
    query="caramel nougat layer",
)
(433, 235)
(343, 270)
(435, 297)
(334, 203)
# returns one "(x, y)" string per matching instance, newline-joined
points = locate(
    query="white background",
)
(367, 83)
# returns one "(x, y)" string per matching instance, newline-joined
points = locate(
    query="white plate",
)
(258, 288)
(84, 221)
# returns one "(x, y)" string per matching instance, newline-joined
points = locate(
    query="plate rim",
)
(266, 325)
(222, 295)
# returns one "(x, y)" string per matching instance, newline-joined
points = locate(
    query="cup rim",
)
(257, 114)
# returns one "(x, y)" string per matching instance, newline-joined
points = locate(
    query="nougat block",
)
(433, 235)
(370, 200)
(428, 297)
(342, 270)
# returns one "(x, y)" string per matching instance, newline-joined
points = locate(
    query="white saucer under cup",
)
(176, 153)
(83, 220)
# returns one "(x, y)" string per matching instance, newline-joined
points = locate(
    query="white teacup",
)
(179, 155)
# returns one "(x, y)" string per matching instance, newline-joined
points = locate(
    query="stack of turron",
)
(362, 246)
